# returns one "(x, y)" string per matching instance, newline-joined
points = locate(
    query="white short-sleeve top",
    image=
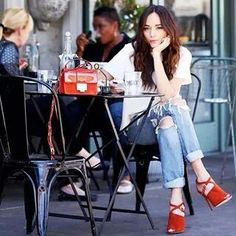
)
(123, 62)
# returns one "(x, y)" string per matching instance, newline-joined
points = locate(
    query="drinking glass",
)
(46, 76)
(132, 82)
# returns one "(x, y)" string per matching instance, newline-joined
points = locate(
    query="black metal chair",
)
(143, 154)
(40, 170)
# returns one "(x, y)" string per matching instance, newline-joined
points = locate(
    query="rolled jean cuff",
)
(176, 183)
(193, 156)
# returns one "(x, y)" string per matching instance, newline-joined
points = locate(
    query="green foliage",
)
(109, 3)
(129, 15)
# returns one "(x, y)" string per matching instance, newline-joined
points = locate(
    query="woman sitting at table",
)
(165, 67)
(110, 40)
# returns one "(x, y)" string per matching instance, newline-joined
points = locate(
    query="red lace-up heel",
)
(216, 196)
(176, 223)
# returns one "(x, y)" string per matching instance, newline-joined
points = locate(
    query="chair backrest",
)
(14, 118)
(217, 74)
(191, 93)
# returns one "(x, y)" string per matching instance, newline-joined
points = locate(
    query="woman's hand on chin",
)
(156, 51)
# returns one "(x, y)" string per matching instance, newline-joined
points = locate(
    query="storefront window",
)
(194, 22)
(193, 18)
(129, 11)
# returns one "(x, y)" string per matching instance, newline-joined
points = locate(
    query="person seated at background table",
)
(108, 43)
(165, 67)
(15, 28)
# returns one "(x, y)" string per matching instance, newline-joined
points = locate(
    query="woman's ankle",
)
(200, 171)
(177, 210)
(176, 197)
(127, 177)
(203, 178)
(205, 184)
(83, 153)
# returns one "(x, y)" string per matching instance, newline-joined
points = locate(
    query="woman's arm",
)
(114, 86)
(164, 86)
(10, 59)
(81, 42)
(116, 68)
(103, 74)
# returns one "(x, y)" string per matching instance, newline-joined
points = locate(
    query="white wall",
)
(72, 20)
(51, 41)
(14, 3)
(234, 27)
(50, 46)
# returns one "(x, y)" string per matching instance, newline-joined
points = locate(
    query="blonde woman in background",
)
(15, 27)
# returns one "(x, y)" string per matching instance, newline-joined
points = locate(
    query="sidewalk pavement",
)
(220, 221)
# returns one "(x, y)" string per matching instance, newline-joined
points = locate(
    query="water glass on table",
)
(46, 76)
(133, 83)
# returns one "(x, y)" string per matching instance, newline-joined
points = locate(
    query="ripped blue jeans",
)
(175, 143)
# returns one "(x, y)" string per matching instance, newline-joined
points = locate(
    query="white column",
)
(72, 20)
(233, 29)
(14, 3)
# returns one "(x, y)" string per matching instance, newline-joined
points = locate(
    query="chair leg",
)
(104, 167)
(117, 167)
(29, 198)
(186, 191)
(3, 178)
(141, 178)
(94, 179)
(30, 213)
(43, 194)
(90, 209)
(41, 178)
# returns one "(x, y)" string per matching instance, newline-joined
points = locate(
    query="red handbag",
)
(78, 80)
(75, 81)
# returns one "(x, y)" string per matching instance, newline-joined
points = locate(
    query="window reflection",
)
(193, 18)
(129, 12)
(194, 21)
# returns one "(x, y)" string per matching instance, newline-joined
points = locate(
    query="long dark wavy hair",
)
(143, 60)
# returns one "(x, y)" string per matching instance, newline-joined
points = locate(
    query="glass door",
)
(195, 20)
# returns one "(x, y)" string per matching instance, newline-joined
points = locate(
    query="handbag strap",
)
(49, 135)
